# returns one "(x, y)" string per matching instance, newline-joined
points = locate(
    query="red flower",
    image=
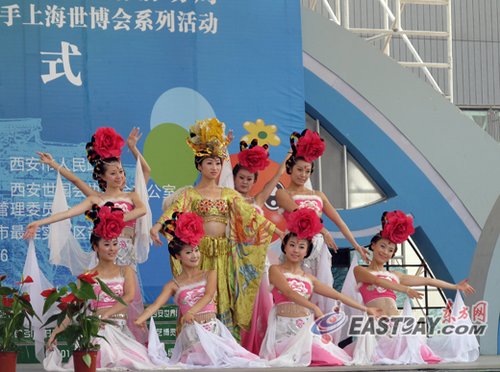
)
(68, 299)
(397, 227)
(7, 301)
(310, 146)
(304, 223)
(48, 292)
(27, 297)
(62, 306)
(88, 277)
(254, 159)
(110, 224)
(108, 143)
(28, 279)
(189, 228)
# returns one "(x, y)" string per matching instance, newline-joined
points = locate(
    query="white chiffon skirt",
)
(118, 351)
(290, 342)
(212, 345)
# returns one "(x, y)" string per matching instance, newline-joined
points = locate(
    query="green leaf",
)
(49, 301)
(73, 287)
(87, 360)
(86, 291)
(5, 291)
(110, 293)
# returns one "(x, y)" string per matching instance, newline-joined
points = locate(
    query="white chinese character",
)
(33, 209)
(80, 232)
(4, 209)
(77, 193)
(17, 209)
(33, 14)
(47, 209)
(165, 19)
(4, 232)
(208, 23)
(143, 21)
(168, 190)
(54, 15)
(17, 189)
(67, 189)
(16, 164)
(32, 189)
(67, 50)
(48, 189)
(44, 231)
(10, 12)
(79, 165)
(77, 16)
(122, 20)
(154, 191)
(187, 21)
(16, 232)
(99, 17)
(32, 164)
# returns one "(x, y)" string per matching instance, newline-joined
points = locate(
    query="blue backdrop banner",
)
(69, 67)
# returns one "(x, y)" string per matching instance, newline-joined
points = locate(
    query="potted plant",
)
(15, 309)
(78, 322)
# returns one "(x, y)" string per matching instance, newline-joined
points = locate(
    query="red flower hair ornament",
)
(307, 145)
(105, 144)
(187, 227)
(397, 226)
(108, 220)
(254, 157)
(304, 223)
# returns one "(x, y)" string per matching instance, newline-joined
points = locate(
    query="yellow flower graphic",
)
(265, 134)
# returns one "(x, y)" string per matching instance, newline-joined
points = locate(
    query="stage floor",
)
(484, 363)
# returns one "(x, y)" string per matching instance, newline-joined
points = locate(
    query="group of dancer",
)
(235, 309)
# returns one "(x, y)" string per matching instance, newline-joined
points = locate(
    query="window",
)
(346, 184)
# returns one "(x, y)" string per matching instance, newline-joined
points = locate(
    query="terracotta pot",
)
(8, 361)
(80, 365)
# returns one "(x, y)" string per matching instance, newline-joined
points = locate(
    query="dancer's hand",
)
(47, 158)
(363, 252)
(465, 287)
(329, 240)
(30, 230)
(133, 138)
(374, 311)
(153, 233)
(51, 342)
(411, 293)
(140, 324)
(317, 312)
(188, 317)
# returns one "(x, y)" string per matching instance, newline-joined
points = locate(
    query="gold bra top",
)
(212, 210)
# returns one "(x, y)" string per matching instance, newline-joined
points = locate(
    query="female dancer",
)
(377, 285)
(290, 339)
(237, 256)
(104, 152)
(203, 340)
(132, 140)
(118, 348)
(300, 166)
(251, 160)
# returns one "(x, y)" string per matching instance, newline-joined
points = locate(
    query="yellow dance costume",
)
(238, 257)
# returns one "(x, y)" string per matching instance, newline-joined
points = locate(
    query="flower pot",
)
(79, 361)
(8, 361)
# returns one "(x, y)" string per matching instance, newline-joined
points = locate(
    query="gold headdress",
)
(207, 138)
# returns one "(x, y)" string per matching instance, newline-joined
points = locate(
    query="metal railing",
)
(339, 11)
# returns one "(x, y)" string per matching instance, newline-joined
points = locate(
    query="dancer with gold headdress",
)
(236, 236)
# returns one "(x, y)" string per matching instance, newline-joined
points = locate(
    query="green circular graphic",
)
(170, 158)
